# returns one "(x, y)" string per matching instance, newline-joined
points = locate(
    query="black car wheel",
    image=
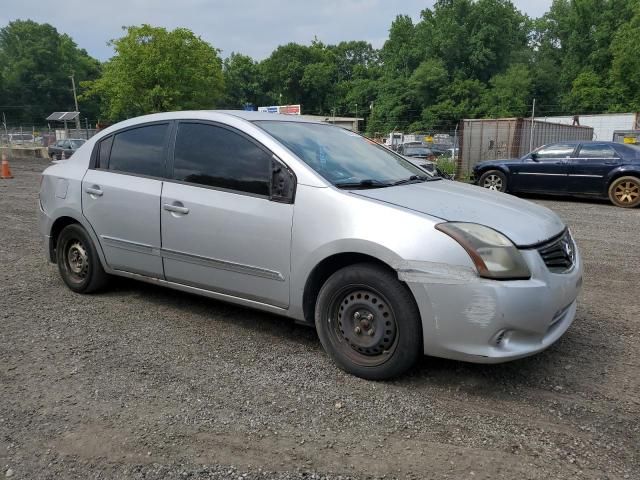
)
(368, 322)
(78, 260)
(625, 192)
(493, 180)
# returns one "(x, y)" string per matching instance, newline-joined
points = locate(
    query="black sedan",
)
(597, 169)
(64, 148)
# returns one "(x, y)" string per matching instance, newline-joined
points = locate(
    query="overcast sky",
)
(252, 27)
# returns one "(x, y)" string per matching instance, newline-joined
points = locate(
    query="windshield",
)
(342, 157)
(417, 151)
(76, 143)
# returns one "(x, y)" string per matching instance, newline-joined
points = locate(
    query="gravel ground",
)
(145, 382)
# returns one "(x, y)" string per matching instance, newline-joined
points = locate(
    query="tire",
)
(368, 322)
(78, 261)
(493, 180)
(53, 157)
(625, 192)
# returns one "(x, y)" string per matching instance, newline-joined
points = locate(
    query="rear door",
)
(547, 174)
(121, 197)
(221, 230)
(588, 170)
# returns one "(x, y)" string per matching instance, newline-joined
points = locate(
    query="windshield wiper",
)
(411, 179)
(366, 183)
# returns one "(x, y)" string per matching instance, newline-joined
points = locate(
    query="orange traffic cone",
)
(6, 171)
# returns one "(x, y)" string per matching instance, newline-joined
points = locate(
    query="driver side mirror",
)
(283, 183)
(533, 156)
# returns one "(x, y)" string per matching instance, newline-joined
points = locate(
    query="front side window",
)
(597, 151)
(340, 156)
(557, 150)
(218, 157)
(139, 151)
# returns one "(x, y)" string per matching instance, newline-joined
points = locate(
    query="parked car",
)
(316, 223)
(597, 169)
(64, 148)
(20, 138)
(416, 150)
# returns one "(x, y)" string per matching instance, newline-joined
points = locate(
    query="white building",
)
(603, 124)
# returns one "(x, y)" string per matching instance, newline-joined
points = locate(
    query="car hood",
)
(525, 223)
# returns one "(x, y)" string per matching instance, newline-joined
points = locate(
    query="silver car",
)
(319, 224)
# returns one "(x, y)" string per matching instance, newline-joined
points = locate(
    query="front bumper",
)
(465, 317)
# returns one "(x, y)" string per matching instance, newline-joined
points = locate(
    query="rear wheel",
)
(494, 180)
(625, 192)
(368, 322)
(78, 261)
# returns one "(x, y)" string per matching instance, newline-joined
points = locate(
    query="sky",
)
(251, 27)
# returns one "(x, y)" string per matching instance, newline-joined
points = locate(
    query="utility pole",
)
(357, 123)
(533, 114)
(75, 99)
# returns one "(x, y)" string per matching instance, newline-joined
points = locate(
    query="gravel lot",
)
(145, 382)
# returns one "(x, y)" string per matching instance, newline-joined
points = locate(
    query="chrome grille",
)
(559, 255)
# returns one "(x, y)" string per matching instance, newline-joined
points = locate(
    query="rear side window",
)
(218, 157)
(139, 151)
(597, 151)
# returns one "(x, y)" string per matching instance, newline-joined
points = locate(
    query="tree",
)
(35, 65)
(155, 70)
(242, 81)
(625, 68)
(510, 93)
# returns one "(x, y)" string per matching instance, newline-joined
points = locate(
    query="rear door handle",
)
(95, 190)
(176, 208)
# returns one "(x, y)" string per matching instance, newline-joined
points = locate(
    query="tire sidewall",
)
(409, 329)
(68, 234)
(494, 172)
(615, 183)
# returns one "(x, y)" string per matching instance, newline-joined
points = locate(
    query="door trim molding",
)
(192, 258)
(129, 245)
(221, 264)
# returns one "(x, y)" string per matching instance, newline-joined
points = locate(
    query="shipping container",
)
(493, 139)
(604, 124)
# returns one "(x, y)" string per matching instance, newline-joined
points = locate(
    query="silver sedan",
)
(319, 224)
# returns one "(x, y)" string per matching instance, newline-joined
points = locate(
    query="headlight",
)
(493, 254)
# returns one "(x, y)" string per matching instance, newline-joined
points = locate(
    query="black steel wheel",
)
(493, 180)
(78, 261)
(368, 322)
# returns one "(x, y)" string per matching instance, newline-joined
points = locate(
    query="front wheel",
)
(368, 322)
(625, 192)
(78, 261)
(494, 180)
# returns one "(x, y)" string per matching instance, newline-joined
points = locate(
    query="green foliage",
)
(242, 81)
(35, 65)
(155, 70)
(510, 93)
(462, 59)
(625, 68)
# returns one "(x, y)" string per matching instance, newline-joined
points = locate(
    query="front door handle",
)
(95, 191)
(176, 208)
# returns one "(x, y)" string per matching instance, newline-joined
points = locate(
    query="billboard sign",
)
(283, 109)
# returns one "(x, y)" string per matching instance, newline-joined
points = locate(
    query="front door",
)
(589, 168)
(220, 230)
(547, 173)
(121, 198)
